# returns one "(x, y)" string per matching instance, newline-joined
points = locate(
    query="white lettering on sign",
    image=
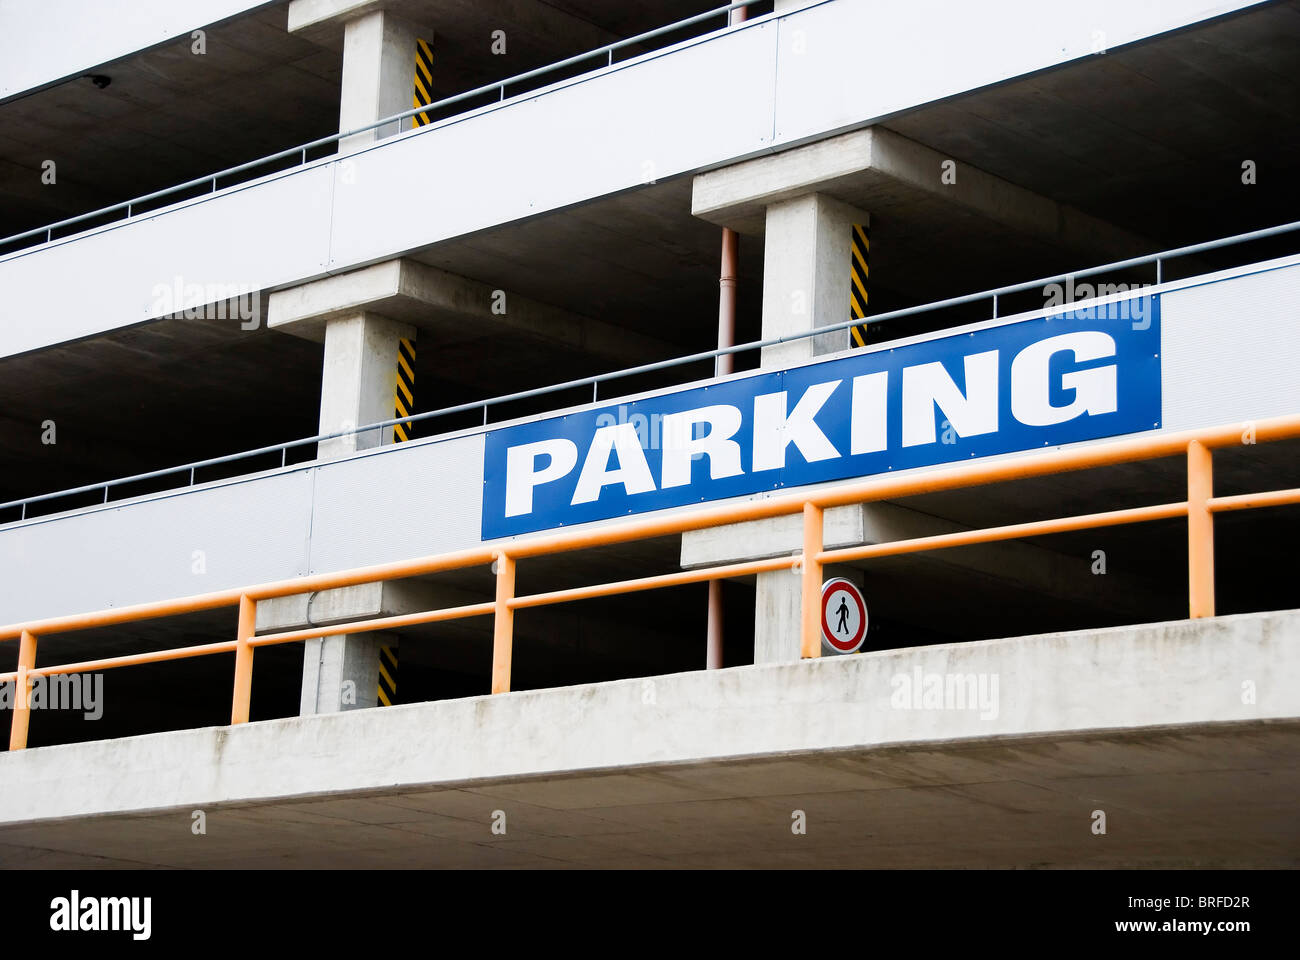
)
(616, 455)
(681, 445)
(971, 414)
(775, 430)
(869, 426)
(522, 473)
(1094, 390)
(632, 471)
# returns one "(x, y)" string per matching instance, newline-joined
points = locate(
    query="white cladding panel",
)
(631, 125)
(1232, 350)
(408, 500)
(125, 274)
(249, 531)
(840, 64)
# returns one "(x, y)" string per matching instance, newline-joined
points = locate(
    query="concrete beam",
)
(313, 14)
(566, 632)
(1023, 564)
(362, 602)
(876, 168)
(777, 537)
(1143, 680)
(446, 305)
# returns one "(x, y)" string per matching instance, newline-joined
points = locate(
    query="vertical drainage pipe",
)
(724, 365)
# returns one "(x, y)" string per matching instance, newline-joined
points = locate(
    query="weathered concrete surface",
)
(806, 279)
(447, 305)
(358, 381)
(378, 53)
(358, 385)
(1150, 724)
(1025, 564)
(873, 167)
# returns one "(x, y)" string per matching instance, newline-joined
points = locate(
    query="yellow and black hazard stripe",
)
(404, 400)
(423, 81)
(858, 283)
(388, 674)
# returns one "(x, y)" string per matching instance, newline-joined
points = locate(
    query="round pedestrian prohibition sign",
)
(844, 616)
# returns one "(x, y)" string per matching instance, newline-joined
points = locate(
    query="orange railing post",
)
(503, 628)
(811, 606)
(22, 701)
(1200, 530)
(244, 660)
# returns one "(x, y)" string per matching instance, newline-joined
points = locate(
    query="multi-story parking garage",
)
(429, 428)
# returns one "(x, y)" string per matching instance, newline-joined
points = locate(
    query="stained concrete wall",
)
(1148, 677)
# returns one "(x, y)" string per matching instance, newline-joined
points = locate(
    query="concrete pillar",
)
(808, 240)
(378, 75)
(359, 381)
(777, 612)
(341, 673)
(806, 275)
(798, 199)
(778, 600)
(358, 386)
(806, 281)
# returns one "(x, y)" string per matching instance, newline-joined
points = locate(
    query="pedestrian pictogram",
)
(844, 616)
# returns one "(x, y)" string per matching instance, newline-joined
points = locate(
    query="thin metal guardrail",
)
(596, 379)
(606, 51)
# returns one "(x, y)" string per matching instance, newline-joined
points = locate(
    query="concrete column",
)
(777, 612)
(800, 201)
(341, 673)
(806, 280)
(359, 380)
(360, 316)
(358, 385)
(778, 601)
(806, 275)
(378, 75)
(806, 283)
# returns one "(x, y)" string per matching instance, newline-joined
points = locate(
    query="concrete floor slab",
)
(718, 769)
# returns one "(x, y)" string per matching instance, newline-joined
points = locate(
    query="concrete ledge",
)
(444, 304)
(878, 170)
(313, 15)
(1025, 564)
(1160, 675)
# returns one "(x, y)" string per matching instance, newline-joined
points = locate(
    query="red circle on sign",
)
(852, 643)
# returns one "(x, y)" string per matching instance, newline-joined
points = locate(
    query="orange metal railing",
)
(1199, 509)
